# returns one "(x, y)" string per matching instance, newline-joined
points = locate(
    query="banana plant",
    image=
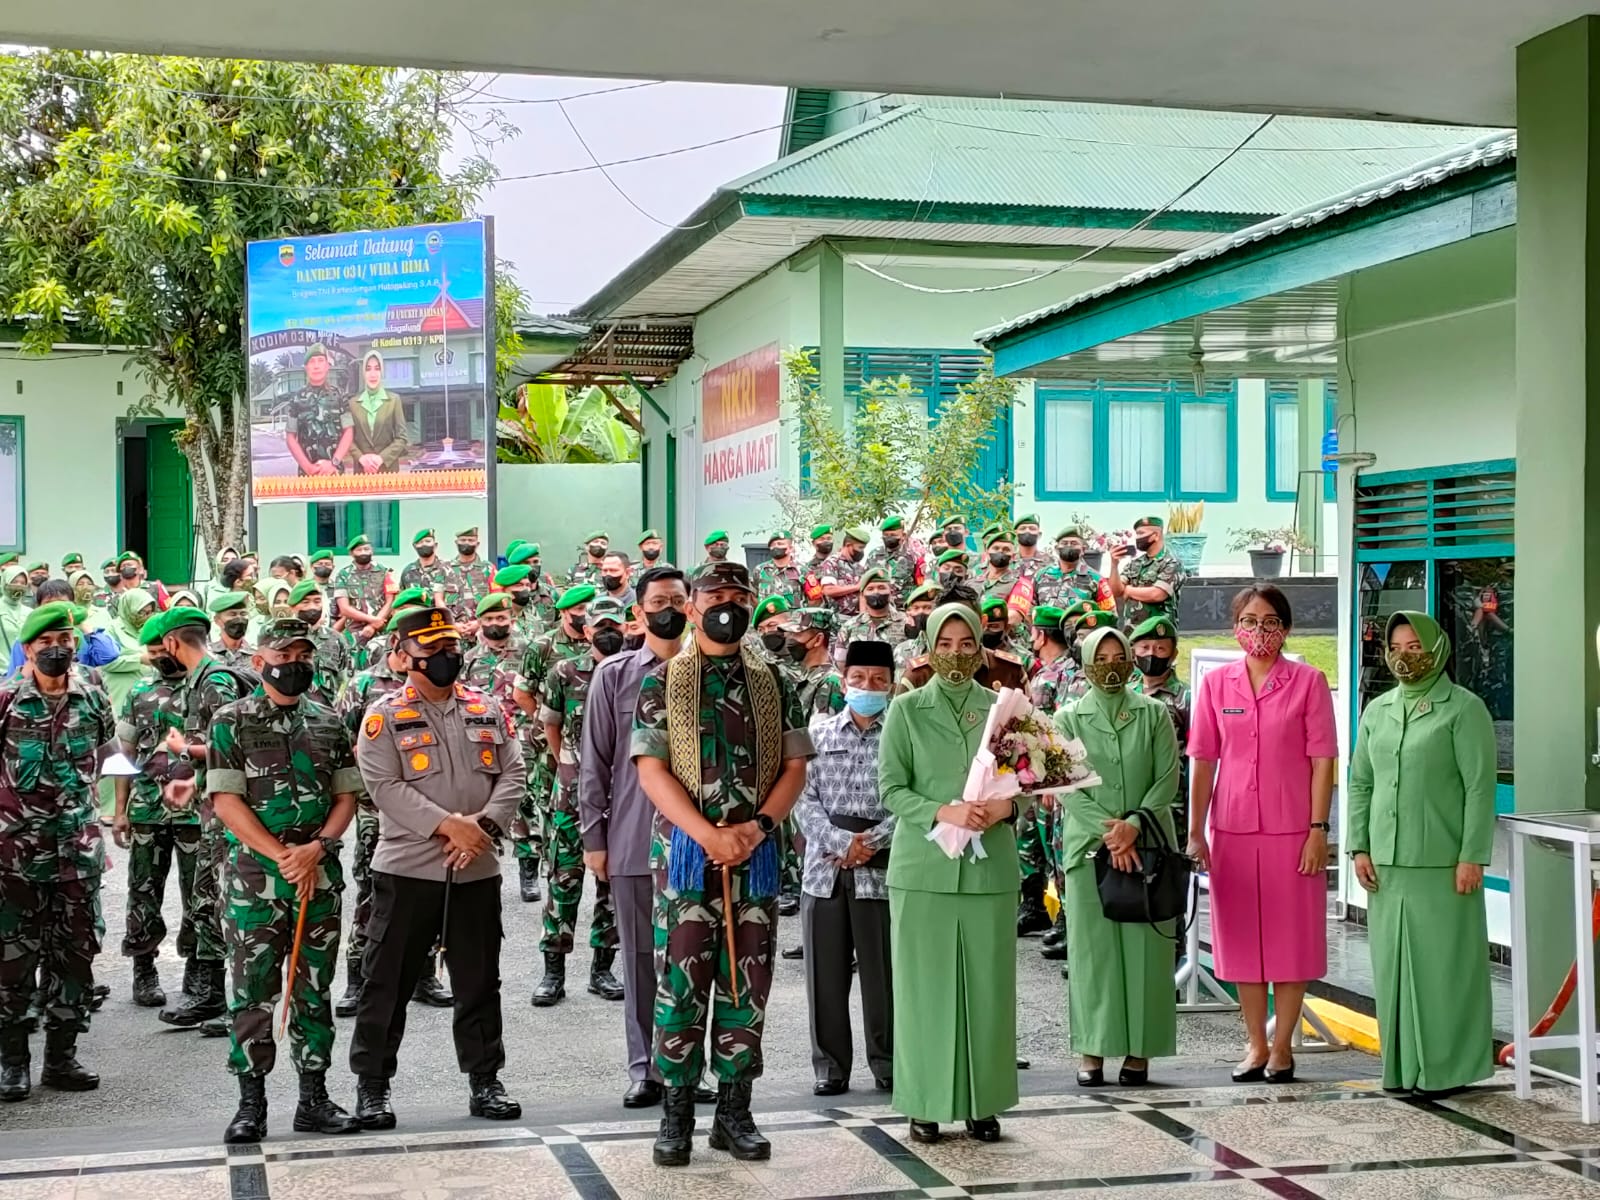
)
(550, 424)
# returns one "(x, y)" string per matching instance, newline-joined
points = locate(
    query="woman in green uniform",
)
(1120, 998)
(1422, 779)
(952, 920)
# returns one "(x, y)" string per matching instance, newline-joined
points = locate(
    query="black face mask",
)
(54, 661)
(878, 601)
(607, 641)
(496, 633)
(466, 549)
(946, 578)
(614, 583)
(774, 640)
(823, 549)
(130, 572)
(915, 625)
(441, 668)
(112, 579)
(522, 597)
(426, 550)
(1027, 539)
(289, 679)
(666, 623)
(954, 539)
(1153, 665)
(361, 560)
(796, 649)
(999, 560)
(597, 550)
(993, 638)
(891, 544)
(853, 553)
(1069, 554)
(323, 572)
(726, 623)
(634, 641)
(311, 616)
(650, 555)
(575, 625)
(1143, 544)
(167, 667)
(236, 629)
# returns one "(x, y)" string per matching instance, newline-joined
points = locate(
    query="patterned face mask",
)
(956, 668)
(1109, 676)
(1258, 642)
(1409, 665)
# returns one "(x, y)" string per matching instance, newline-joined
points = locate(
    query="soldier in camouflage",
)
(51, 854)
(322, 572)
(543, 591)
(361, 594)
(332, 658)
(841, 575)
(491, 665)
(1151, 584)
(587, 568)
(652, 549)
(526, 619)
(780, 574)
(155, 834)
(1071, 579)
(320, 430)
(474, 575)
(230, 614)
(1052, 677)
(919, 604)
(282, 779)
(561, 703)
(716, 544)
(902, 568)
(1002, 573)
(808, 664)
(1155, 654)
(720, 741)
(877, 621)
(437, 578)
(771, 612)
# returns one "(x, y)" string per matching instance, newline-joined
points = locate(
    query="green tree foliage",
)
(550, 423)
(129, 186)
(887, 456)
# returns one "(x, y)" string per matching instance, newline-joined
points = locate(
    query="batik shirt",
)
(49, 820)
(318, 418)
(1148, 570)
(842, 780)
(153, 707)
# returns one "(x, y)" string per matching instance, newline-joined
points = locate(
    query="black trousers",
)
(406, 914)
(835, 931)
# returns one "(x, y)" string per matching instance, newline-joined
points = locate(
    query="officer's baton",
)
(294, 963)
(444, 922)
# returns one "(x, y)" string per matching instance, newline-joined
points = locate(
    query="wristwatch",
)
(765, 823)
(1322, 825)
(330, 846)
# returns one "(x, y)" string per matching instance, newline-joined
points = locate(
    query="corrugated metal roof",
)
(1097, 156)
(1487, 151)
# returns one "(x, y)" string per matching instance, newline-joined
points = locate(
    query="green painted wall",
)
(282, 528)
(557, 505)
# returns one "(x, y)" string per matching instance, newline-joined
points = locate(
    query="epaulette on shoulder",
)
(1005, 657)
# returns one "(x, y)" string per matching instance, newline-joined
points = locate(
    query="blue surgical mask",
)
(868, 704)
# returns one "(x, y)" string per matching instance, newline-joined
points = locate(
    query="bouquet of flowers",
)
(1022, 754)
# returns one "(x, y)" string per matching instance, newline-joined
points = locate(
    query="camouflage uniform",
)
(51, 854)
(1174, 693)
(566, 687)
(318, 417)
(769, 579)
(839, 569)
(999, 585)
(584, 571)
(332, 662)
(208, 687)
(690, 925)
(1060, 588)
(1029, 568)
(287, 764)
(890, 628)
(440, 577)
(241, 659)
(365, 588)
(160, 832)
(366, 689)
(903, 568)
(474, 581)
(542, 654)
(819, 689)
(1147, 570)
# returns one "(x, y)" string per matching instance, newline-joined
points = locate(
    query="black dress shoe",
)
(644, 1094)
(829, 1087)
(985, 1130)
(1250, 1074)
(1436, 1093)
(1133, 1076)
(705, 1095)
(886, 1084)
(1284, 1076)
(1092, 1077)
(793, 952)
(487, 1098)
(373, 1110)
(926, 1132)
(430, 990)
(1055, 953)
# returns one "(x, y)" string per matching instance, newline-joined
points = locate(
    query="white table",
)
(1579, 833)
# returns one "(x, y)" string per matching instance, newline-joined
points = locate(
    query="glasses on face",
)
(1269, 624)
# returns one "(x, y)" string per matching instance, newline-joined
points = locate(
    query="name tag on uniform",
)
(1233, 712)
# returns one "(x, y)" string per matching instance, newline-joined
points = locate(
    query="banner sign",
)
(369, 362)
(739, 423)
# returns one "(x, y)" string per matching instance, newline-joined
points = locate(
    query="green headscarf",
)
(128, 606)
(13, 612)
(965, 665)
(1435, 651)
(1099, 698)
(372, 399)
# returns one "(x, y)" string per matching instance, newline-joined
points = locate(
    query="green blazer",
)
(386, 434)
(1422, 786)
(1136, 756)
(923, 758)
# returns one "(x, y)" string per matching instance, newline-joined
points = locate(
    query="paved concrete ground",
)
(166, 1087)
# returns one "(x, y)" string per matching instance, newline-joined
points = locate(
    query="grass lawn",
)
(1320, 651)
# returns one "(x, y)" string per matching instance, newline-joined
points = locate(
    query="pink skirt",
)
(1269, 923)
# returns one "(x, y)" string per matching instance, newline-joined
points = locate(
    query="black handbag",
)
(1158, 891)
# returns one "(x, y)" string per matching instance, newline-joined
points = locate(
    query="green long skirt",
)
(1430, 961)
(1121, 1000)
(955, 1004)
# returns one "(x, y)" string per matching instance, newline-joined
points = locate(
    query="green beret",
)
(47, 618)
(38, 566)
(304, 591)
(1153, 522)
(891, 523)
(179, 618)
(105, 566)
(224, 601)
(10, 557)
(513, 544)
(399, 612)
(322, 556)
(315, 349)
(129, 556)
(1026, 519)
(511, 576)
(74, 557)
(1070, 531)
(781, 535)
(470, 531)
(991, 536)
(858, 533)
(952, 520)
(154, 630)
(1076, 609)
(597, 535)
(959, 556)
(716, 535)
(493, 600)
(770, 606)
(410, 597)
(573, 596)
(423, 535)
(1047, 616)
(991, 604)
(928, 591)
(1155, 627)
(649, 535)
(820, 531)
(523, 553)
(874, 575)
(360, 539)
(282, 632)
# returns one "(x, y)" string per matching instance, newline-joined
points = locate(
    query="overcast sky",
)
(569, 234)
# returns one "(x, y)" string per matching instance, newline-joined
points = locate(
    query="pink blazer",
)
(1263, 744)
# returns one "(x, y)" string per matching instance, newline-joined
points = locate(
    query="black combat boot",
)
(316, 1112)
(250, 1122)
(1058, 932)
(676, 1135)
(1031, 915)
(207, 1001)
(528, 879)
(15, 1082)
(99, 993)
(219, 1028)
(788, 901)
(602, 982)
(372, 1104)
(61, 1068)
(147, 991)
(191, 973)
(353, 983)
(488, 1098)
(552, 989)
(733, 1128)
(429, 990)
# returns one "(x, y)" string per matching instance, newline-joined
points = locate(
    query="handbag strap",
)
(1149, 822)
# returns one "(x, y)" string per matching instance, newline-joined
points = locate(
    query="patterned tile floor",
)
(1304, 1141)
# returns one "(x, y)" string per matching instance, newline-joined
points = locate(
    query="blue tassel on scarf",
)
(762, 881)
(686, 864)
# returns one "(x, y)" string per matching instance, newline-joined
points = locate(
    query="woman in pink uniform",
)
(1263, 746)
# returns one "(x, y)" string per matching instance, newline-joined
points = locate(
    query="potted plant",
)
(1266, 548)
(1094, 542)
(1184, 538)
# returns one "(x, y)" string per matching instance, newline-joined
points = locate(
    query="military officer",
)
(615, 572)
(1048, 689)
(436, 578)
(492, 663)
(280, 773)
(320, 429)
(526, 618)
(51, 854)
(877, 620)
(543, 592)
(230, 613)
(71, 562)
(587, 568)
(816, 682)
(1150, 583)
(361, 592)
(333, 661)
(716, 544)
(156, 835)
(561, 704)
(919, 604)
(821, 548)
(952, 567)
(1001, 575)
(840, 576)
(780, 574)
(770, 614)
(895, 557)
(474, 574)
(720, 741)
(1029, 562)
(322, 572)
(105, 597)
(1070, 578)
(1155, 654)
(651, 549)
(439, 760)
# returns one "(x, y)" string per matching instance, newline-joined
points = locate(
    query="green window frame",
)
(1287, 395)
(12, 447)
(331, 526)
(1112, 407)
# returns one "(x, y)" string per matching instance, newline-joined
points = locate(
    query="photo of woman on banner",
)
(379, 422)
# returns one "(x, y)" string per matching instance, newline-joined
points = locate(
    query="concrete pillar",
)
(1558, 456)
(1309, 504)
(830, 326)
